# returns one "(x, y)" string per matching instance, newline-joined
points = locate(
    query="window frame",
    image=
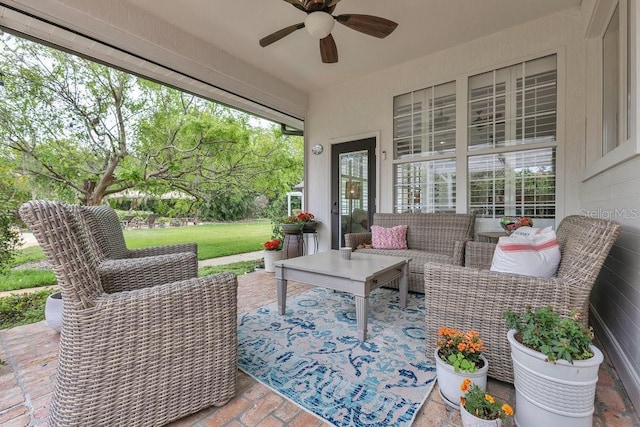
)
(628, 147)
(462, 154)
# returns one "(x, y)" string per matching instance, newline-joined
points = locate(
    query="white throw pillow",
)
(535, 255)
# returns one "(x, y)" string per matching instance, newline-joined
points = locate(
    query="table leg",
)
(404, 287)
(362, 308)
(281, 288)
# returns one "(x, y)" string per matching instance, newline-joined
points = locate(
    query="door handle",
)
(334, 212)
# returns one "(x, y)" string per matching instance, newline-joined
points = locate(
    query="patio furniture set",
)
(141, 320)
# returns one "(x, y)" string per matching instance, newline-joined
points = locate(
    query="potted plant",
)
(458, 356)
(272, 252)
(478, 408)
(308, 221)
(291, 224)
(555, 368)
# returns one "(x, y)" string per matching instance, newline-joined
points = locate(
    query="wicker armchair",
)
(472, 298)
(138, 357)
(107, 232)
(119, 266)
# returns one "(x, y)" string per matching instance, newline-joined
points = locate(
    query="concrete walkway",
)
(249, 256)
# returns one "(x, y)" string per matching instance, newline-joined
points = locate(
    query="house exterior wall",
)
(363, 106)
(610, 189)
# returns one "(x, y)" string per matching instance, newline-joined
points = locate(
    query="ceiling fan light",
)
(319, 24)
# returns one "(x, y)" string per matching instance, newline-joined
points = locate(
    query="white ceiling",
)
(425, 26)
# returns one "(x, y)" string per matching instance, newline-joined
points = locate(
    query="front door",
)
(353, 191)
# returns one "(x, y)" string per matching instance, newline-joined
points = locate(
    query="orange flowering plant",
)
(481, 404)
(272, 245)
(460, 349)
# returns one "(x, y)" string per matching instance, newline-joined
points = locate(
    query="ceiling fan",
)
(320, 21)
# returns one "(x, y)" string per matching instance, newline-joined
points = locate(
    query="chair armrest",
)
(163, 250)
(468, 298)
(352, 240)
(136, 273)
(479, 254)
(458, 251)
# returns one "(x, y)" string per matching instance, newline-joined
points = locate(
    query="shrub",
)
(22, 309)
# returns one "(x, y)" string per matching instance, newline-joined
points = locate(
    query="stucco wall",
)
(364, 106)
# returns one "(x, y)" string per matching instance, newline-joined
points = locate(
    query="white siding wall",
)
(615, 300)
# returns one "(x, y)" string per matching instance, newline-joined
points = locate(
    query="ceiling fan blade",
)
(272, 38)
(297, 4)
(328, 50)
(367, 24)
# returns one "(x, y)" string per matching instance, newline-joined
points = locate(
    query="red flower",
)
(272, 245)
(305, 217)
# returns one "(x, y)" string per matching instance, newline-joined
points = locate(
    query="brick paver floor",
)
(26, 383)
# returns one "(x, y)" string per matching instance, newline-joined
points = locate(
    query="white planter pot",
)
(449, 380)
(469, 420)
(53, 311)
(269, 258)
(553, 394)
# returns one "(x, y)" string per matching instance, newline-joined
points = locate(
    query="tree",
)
(85, 131)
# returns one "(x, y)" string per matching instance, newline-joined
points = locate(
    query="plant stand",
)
(53, 311)
(553, 394)
(269, 258)
(449, 380)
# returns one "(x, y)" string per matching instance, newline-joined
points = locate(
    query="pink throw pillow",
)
(389, 238)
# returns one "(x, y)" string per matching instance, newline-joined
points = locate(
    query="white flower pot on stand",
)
(449, 380)
(53, 311)
(553, 394)
(269, 258)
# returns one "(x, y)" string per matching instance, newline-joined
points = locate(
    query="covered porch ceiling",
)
(425, 27)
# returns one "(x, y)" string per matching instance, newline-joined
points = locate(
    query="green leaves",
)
(547, 332)
(459, 363)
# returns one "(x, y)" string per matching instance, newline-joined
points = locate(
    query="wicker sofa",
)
(133, 353)
(431, 237)
(472, 297)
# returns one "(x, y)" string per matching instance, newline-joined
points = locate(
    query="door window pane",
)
(354, 192)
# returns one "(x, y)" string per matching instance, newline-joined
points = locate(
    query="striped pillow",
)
(389, 238)
(535, 255)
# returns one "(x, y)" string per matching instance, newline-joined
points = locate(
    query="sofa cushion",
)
(389, 238)
(418, 258)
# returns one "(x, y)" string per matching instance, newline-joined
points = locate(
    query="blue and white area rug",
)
(311, 356)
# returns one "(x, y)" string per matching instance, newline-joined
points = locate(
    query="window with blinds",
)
(513, 105)
(428, 186)
(521, 183)
(424, 122)
(510, 144)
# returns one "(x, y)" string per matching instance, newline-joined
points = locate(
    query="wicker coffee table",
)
(357, 276)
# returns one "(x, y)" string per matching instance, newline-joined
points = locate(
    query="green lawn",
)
(214, 240)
